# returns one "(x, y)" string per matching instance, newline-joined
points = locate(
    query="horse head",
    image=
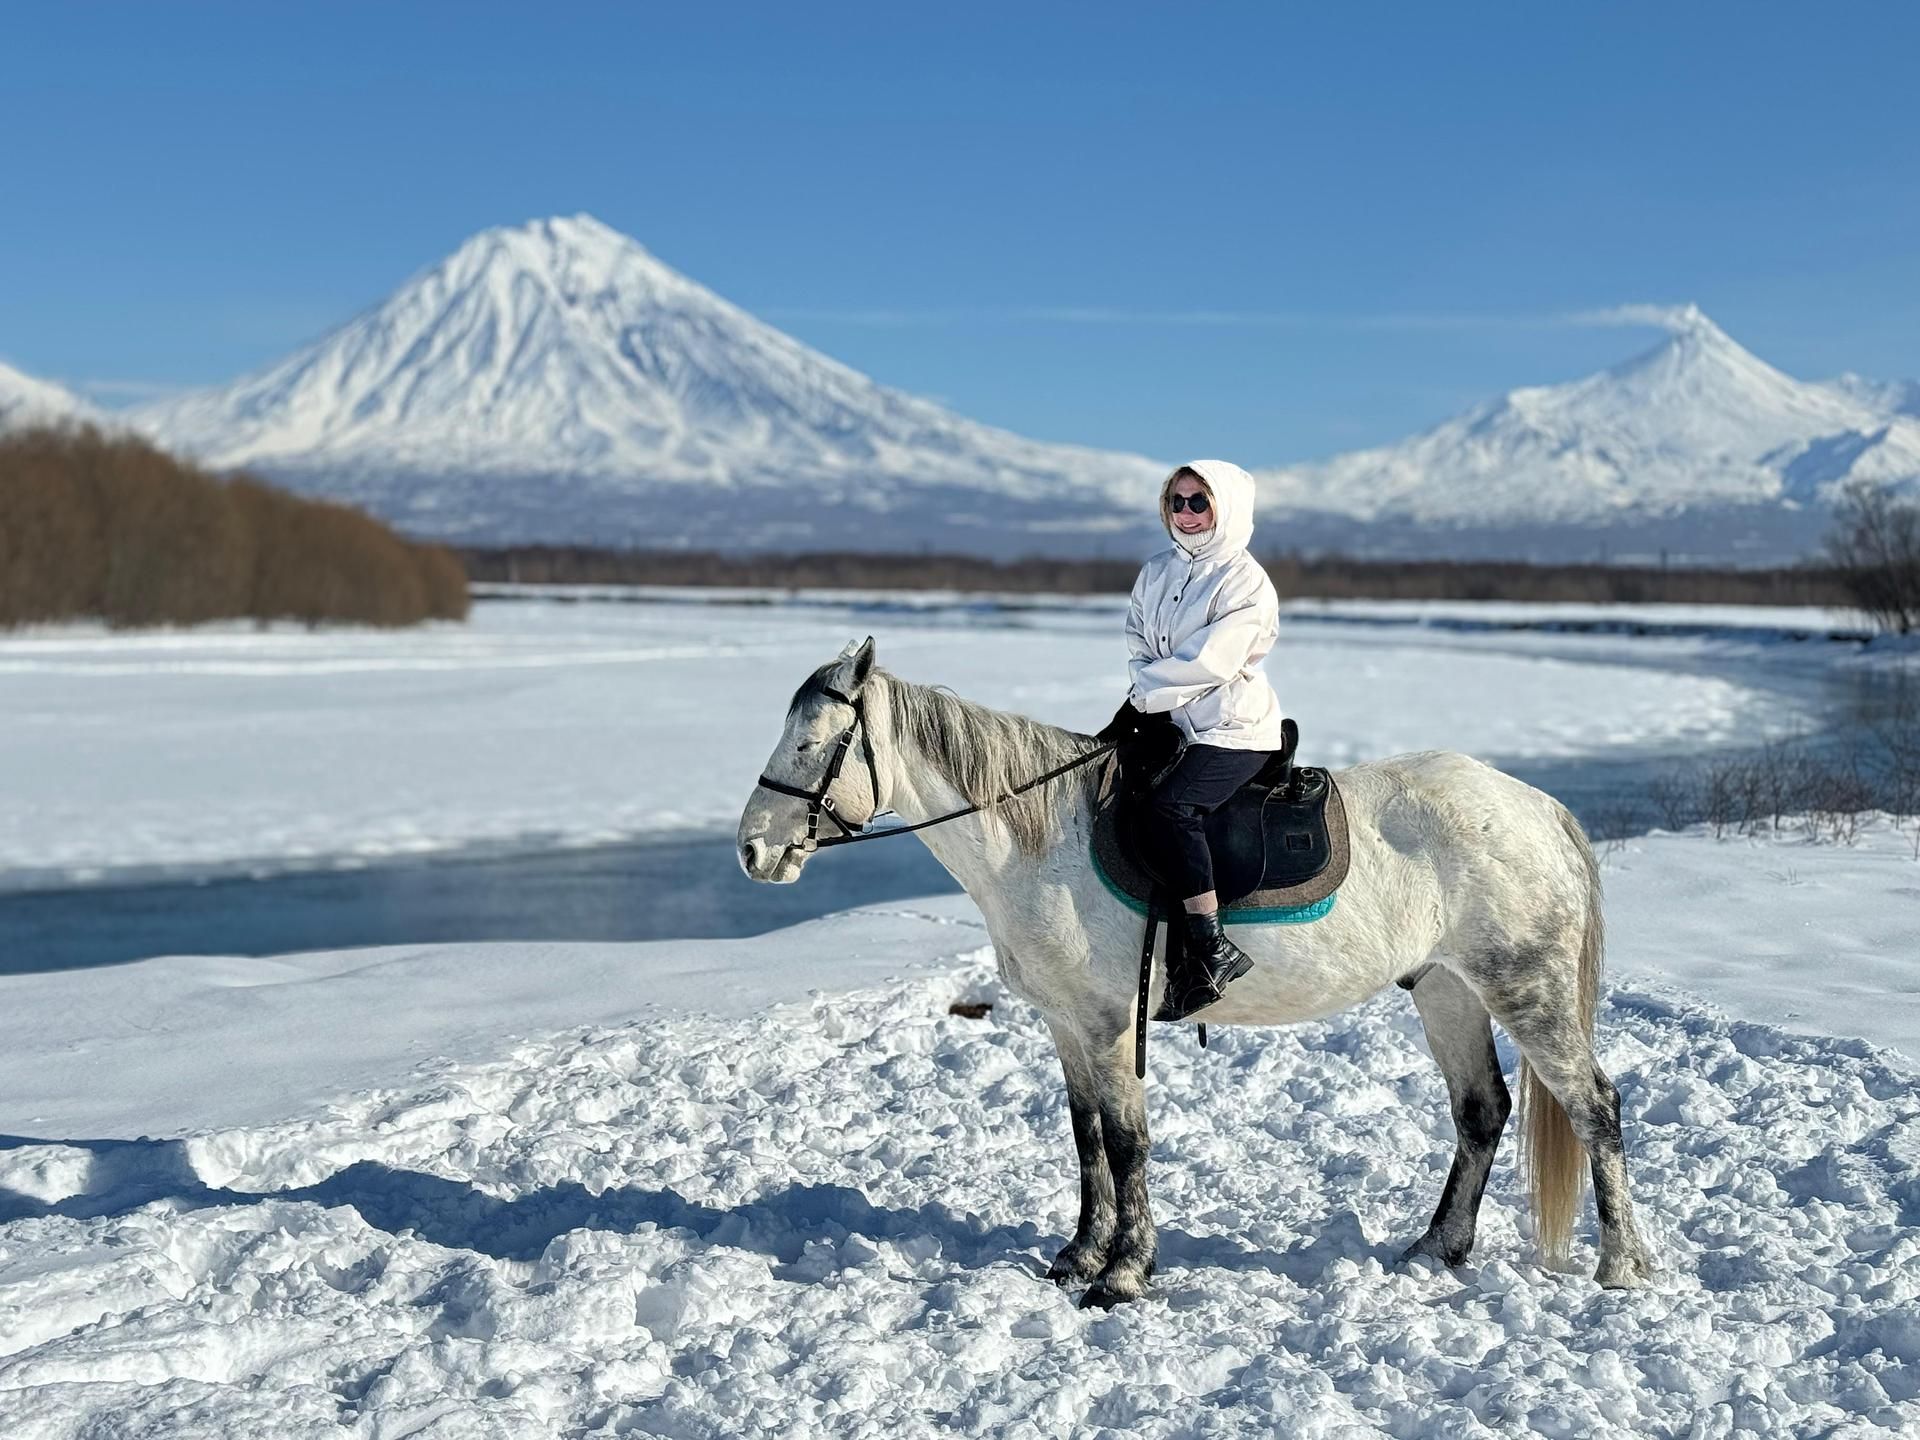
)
(822, 771)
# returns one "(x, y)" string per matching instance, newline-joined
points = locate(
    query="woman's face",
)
(1185, 521)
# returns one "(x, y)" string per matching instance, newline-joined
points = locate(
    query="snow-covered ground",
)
(772, 1185)
(578, 724)
(831, 1217)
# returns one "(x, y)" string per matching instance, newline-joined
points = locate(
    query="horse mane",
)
(984, 753)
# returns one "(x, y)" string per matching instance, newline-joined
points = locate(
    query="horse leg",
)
(1085, 1255)
(1121, 1097)
(1460, 1035)
(1558, 1050)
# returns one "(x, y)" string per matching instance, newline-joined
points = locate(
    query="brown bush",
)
(51, 554)
(108, 527)
(446, 582)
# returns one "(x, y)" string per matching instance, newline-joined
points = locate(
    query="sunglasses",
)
(1196, 503)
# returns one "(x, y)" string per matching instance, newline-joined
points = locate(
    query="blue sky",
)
(1264, 232)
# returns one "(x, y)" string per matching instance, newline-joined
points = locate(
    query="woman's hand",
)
(1125, 721)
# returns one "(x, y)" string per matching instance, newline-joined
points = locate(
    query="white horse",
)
(1474, 891)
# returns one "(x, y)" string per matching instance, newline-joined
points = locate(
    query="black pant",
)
(1173, 835)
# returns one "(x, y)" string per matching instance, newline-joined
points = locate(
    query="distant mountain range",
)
(555, 382)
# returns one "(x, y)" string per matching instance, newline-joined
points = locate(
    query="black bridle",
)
(820, 802)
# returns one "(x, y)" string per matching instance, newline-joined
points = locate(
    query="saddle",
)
(1279, 848)
(1279, 843)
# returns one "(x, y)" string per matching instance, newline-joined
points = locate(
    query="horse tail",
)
(1555, 1160)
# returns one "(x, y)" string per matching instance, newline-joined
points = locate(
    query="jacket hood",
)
(1233, 501)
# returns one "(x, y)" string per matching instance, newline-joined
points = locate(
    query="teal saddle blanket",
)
(1240, 914)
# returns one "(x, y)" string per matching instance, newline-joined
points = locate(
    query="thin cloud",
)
(1658, 317)
(1661, 316)
(129, 389)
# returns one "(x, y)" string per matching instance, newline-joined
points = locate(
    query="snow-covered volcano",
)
(1697, 445)
(26, 401)
(555, 381)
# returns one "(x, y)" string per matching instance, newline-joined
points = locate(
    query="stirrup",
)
(1197, 987)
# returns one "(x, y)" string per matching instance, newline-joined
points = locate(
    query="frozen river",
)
(525, 777)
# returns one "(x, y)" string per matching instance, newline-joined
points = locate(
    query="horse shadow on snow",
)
(122, 1176)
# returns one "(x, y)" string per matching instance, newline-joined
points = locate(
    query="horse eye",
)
(805, 745)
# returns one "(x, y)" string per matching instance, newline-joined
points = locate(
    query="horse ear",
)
(862, 663)
(853, 665)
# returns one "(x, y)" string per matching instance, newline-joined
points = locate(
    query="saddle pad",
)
(1239, 913)
(1283, 904)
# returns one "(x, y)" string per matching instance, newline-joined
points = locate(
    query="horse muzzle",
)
(769, 866)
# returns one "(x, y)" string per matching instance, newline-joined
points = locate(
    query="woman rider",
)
(1201, 619)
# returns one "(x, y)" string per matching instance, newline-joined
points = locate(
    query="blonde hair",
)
(1166, 490)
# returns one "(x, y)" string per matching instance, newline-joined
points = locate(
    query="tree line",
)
(107, 527)
(1294, 576)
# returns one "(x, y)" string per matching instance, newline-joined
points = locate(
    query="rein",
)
(819, 802)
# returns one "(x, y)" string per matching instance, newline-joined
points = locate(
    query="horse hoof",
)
(1623, 1272)
(1075, 1267)
(1103, 1296)
(1429, 1248)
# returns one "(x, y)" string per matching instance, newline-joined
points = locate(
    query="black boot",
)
(1208, 964)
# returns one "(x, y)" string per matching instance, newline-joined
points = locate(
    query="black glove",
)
(1125, 721)
(1149, 750)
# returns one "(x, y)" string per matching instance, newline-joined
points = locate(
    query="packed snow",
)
(707, 1188)
(256, 750)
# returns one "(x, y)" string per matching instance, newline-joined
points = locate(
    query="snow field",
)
(535, 725)
(832, 1218)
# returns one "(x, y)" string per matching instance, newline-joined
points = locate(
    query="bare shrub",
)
(1827, 788)
(1875, 548)
(1674, 795)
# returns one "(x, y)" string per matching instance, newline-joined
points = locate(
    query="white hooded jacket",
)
(1202, 617)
